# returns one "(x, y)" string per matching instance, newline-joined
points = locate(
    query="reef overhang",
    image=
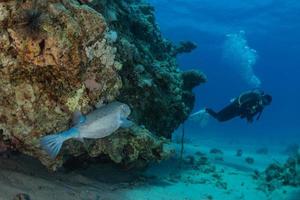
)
(58, 56)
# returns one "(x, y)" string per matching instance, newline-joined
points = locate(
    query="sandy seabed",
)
(230, 179)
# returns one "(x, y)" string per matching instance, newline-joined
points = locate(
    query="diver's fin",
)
(78, 118)
(200, 117)
(200, 112)
(53, 143)
(125, 123)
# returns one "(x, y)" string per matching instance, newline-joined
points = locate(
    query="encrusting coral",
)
(57, 57)
(277, 175)
(152, 82)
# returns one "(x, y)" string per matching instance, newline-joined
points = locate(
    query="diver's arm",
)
(245, 114)
(250, 119)
(259, 114)
(250, 115)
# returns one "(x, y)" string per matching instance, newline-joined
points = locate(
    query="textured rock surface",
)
(66, 65)
(60, 56)
(153, 85)
(277, 175)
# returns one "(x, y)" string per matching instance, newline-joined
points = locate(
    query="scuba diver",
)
(247, 105)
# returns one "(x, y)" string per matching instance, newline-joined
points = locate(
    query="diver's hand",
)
(250, 120)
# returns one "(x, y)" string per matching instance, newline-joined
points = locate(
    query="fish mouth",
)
(125, 110)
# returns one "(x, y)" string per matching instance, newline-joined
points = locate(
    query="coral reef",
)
(239, 152)
(277, 175)
(184, 47)
(152, 82)
(216, 151)
(249, 160)
(217, 154)
(57, 57)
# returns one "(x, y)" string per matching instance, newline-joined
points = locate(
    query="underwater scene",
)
(149, 100)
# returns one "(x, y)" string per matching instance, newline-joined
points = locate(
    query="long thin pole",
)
(182, 144)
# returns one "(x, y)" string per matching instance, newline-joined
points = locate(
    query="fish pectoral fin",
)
(125, 123)
(78, 118)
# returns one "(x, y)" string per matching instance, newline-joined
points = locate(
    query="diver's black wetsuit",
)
(247, 105)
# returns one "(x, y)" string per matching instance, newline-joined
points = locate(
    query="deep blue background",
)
(272, 28)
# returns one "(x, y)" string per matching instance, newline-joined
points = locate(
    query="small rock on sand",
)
(22, 196)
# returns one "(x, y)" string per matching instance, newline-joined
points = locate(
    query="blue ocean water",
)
(242, 44)
(271, 29)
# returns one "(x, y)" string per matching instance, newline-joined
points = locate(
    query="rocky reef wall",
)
(153, 84)
(60, 56)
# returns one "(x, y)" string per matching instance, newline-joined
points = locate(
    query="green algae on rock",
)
(81, 55)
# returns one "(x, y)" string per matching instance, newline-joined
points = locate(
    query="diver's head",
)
(267, 99)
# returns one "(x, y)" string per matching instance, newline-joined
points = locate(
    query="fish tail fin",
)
(53, 143)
